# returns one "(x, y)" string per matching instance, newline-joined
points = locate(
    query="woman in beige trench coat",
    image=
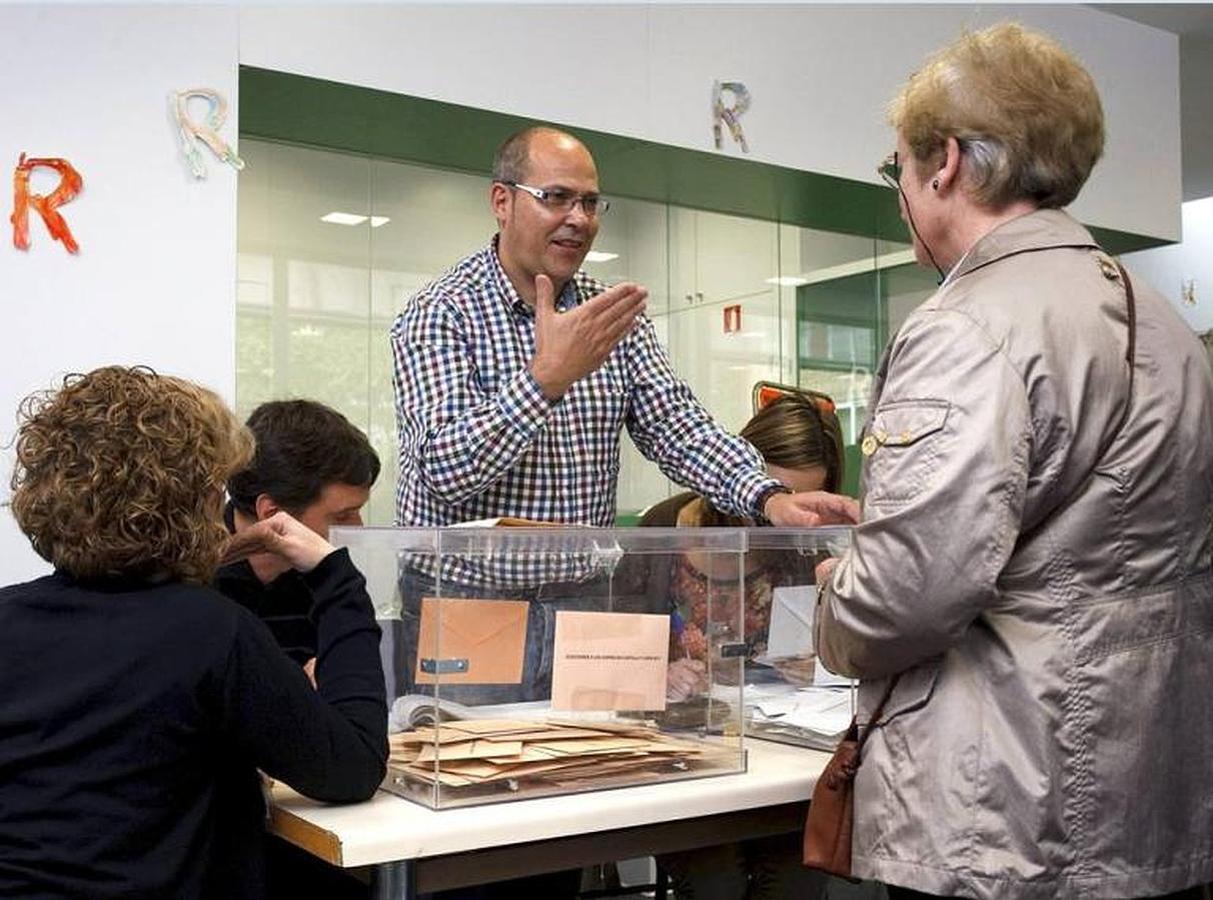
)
(1033, 556)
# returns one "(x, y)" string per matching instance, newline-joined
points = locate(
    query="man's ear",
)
(265, 506)
(499, 201)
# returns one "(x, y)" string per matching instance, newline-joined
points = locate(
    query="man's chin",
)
(562, 272)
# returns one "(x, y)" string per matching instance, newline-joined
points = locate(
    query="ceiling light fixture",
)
(600, 256)
(343, 218)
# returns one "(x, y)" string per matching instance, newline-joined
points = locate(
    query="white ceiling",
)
(1193, 22)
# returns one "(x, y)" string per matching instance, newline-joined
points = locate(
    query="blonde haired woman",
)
(1033, 559)
(138, 703)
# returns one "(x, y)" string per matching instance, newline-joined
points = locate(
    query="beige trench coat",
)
(1037, 562)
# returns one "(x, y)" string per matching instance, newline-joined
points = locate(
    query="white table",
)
(410, 848)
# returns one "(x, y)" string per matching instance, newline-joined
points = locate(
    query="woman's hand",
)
(685, 678)
(283, 536)
(797, 670)
(824, 571)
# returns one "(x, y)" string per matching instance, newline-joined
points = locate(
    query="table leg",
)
(393, 881)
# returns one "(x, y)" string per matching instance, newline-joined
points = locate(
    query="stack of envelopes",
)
(482, 751)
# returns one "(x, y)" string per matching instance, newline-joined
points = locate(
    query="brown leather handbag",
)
(827, 830)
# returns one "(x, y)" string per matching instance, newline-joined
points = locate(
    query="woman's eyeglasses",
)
(890, 171)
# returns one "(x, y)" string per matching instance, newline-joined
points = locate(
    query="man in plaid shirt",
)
(515, 371)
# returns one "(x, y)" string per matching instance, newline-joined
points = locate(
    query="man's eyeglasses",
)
(890, 171)
(562, 201)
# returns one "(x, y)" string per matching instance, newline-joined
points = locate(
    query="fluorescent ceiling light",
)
(600, 256)
(343, 218)
(376, 221)
(867, 264)
(842, 270)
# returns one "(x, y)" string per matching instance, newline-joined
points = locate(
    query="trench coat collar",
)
(1038, 230)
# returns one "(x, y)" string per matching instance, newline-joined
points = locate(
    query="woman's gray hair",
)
(1024, 111)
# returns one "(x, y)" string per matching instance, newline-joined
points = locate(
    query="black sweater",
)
(133, 717)
(284, 605)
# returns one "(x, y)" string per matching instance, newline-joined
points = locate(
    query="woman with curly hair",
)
(137, 703)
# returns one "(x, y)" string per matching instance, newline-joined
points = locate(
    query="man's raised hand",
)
(572, 344)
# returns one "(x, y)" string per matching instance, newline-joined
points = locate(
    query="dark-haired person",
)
(136, 702)
(311, 462)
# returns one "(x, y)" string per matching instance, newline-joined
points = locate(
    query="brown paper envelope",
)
(489, 634)
(426, 736)
(473, 768)
(468, 750)
(552, 735)
(618, 726)
(485, 727)
(528, 754)
(592, 745)
(430, 775)
(612, 661)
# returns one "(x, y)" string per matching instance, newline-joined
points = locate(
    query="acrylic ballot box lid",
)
(524, 662)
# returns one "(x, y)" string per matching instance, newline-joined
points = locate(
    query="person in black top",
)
(311, 462)
(136, 702)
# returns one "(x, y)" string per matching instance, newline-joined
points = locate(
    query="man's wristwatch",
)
(760, 516)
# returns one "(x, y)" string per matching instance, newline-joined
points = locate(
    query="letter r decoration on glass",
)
(729, 115)
(191, 132)
(70, 184)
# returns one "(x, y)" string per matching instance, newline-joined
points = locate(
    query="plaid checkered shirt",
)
(478, 439)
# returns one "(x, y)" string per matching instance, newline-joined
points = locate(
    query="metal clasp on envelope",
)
(444, 666)
(733, 650)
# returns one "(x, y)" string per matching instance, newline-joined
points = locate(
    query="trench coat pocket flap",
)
(902, 423)
(913, 690)
(484, 639)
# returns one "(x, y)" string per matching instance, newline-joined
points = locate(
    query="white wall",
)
(1170, 268)
(820, 75)
(154, 281)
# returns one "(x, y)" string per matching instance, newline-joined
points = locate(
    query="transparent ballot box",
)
(789, 695)
(528, 661)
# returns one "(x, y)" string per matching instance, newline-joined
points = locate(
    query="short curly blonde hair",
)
(1024, 110)
(121, 473)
